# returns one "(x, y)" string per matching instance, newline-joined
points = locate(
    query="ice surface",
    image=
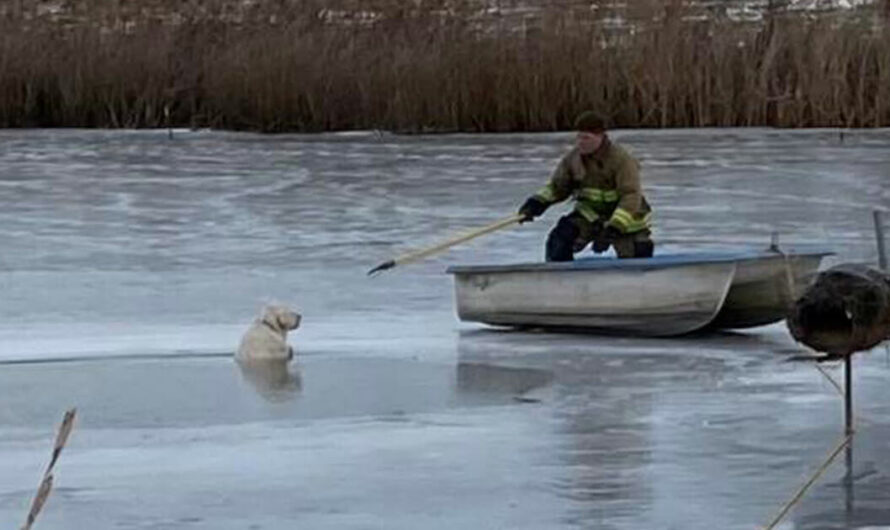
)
(131, 264)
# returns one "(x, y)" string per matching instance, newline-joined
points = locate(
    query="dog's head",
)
(280, 318)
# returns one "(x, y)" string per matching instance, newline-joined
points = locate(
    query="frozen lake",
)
(132, 263)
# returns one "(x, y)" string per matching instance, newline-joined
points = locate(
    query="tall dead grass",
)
(438, 65)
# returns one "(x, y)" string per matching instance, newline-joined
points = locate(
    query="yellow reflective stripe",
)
(640, 224)
(627, 223)
(598, 195)
(591, 194)
(586, 210)
(546, 193)
(622, 219)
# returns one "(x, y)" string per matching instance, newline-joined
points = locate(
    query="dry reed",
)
(46, 482)
(439, 65)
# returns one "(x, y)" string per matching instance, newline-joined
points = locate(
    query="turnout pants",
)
(573, 232)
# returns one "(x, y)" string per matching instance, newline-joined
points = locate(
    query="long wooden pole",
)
(879, 234)
(423, 253)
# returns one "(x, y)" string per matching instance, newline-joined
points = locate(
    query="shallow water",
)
(133, 263)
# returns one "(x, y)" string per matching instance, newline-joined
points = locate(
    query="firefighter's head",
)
(591, 130)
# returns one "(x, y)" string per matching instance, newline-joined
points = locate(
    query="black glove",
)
(532, 208)
(596, 229)
(611, 232)
(600, 245)
(604, 237)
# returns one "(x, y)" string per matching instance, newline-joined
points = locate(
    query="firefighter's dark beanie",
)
(589, 121)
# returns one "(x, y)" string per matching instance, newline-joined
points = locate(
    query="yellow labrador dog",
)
(266, 338)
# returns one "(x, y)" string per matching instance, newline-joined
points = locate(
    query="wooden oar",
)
(422, 253)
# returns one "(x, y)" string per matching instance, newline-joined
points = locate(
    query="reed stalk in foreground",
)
(46, 484)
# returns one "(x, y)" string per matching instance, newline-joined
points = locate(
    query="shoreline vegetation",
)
(441, 65)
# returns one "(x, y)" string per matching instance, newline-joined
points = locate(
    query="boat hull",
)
(661, 296)
(653, 302)
(761, 292)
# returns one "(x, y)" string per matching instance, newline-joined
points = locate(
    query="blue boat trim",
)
(659, 261)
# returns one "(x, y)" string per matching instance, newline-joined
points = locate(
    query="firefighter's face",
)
(588, 142)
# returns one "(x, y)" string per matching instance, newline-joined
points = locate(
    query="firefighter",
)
(610, 210)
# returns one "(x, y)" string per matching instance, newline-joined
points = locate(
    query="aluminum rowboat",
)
(666, 295)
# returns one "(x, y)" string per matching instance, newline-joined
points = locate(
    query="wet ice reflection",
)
(132, 264)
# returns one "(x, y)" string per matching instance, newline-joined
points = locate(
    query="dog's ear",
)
(270, 317)
(281, 318)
